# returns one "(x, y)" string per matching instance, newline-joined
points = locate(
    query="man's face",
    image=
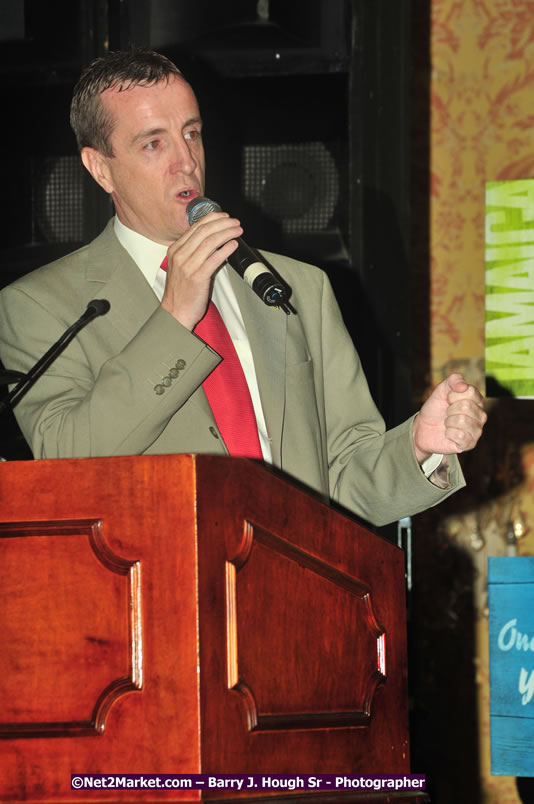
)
(158, 158)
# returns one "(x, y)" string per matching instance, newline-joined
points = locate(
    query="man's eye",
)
(192, 135)
(152, 145)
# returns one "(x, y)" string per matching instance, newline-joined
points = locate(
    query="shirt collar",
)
(147, 255)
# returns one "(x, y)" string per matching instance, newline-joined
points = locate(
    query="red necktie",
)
(227, 390)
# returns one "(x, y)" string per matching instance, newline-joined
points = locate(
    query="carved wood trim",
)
(256, 721)
(95, 725)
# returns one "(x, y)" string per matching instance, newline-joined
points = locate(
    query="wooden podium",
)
(191, 614)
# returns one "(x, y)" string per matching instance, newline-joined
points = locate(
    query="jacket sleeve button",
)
(159, 389)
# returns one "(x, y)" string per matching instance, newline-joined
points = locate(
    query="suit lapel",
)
(117, 278)
(266, 328)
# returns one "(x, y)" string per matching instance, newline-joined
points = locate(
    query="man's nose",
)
(182, 158)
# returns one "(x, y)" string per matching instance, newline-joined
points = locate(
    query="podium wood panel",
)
(191, 614)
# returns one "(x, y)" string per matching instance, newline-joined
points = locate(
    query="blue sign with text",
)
(511, 640)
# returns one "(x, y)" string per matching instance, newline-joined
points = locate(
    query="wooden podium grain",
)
(191, 614)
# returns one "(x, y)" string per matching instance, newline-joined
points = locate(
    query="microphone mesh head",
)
(199, 207)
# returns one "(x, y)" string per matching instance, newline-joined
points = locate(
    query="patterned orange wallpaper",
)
(482, 116)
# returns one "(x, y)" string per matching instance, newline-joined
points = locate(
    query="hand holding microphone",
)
(192, 262)
(247, 262)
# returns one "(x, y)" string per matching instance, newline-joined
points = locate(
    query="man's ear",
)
(97, 165)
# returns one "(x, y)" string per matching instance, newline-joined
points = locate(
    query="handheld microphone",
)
(247, 262)
(95, 308)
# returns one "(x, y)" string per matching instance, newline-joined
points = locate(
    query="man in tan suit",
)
(131, 382)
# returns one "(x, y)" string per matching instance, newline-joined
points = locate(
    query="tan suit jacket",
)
(103, 395)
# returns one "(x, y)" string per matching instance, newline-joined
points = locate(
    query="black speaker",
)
(43, 48)
(257, 37)
(295, 184)
(57, 202)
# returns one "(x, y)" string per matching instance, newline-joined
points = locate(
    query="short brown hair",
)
(123, 69)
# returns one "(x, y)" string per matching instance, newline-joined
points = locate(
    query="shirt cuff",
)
(431, 464)
(436, 469)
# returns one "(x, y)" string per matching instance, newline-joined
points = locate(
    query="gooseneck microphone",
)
(95, 308)
(247, 262)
